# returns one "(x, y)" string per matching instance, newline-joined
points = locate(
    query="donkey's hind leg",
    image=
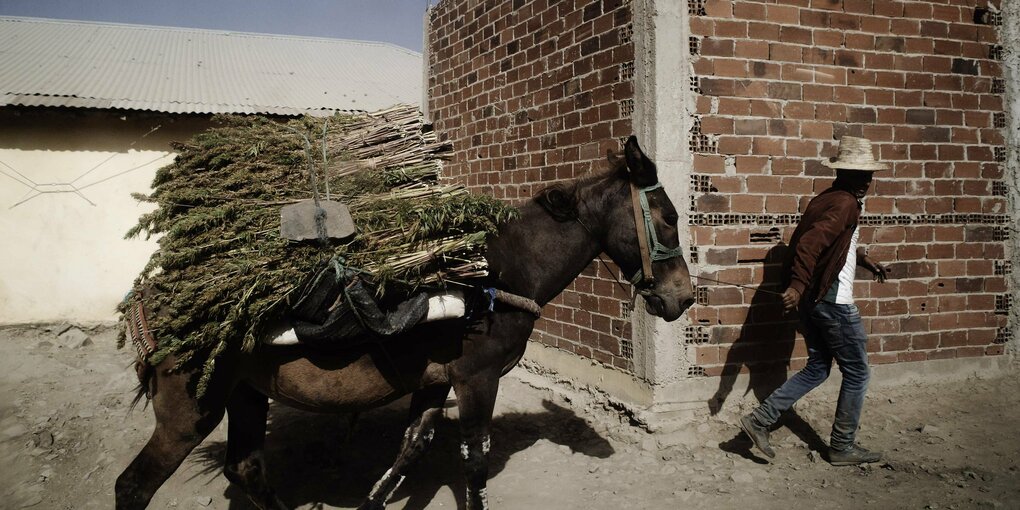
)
(181, 424)
(247, 411)
(426, 407)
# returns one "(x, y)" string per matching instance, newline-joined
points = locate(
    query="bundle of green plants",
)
(223, 273)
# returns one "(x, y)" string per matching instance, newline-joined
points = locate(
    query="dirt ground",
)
(66, 433)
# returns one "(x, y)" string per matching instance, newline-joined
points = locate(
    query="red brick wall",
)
(530, 92)
(777, 84)
(534, 91)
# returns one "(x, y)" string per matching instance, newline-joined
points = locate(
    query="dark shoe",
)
(853, 456)
(758, 434)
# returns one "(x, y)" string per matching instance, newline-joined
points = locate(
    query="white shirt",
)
(845, 281)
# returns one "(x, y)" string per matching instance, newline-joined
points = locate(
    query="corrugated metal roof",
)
(184, 70)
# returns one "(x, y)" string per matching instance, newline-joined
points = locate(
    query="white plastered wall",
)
(63, 256)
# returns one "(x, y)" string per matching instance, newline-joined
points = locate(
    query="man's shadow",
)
(320, 459)
(764, 350)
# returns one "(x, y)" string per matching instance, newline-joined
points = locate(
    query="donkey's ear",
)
(642, 170)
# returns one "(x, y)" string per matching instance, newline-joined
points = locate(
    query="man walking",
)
(819, 272)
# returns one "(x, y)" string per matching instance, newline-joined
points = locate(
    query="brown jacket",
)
(819, 245)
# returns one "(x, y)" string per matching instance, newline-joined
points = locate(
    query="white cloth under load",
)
(442, 305)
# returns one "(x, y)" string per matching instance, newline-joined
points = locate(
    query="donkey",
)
(624, 213)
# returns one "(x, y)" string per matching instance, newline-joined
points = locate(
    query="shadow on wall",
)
(313, 458)
(84, 129)
(765, 347)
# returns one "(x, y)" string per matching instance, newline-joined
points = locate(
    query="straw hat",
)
(855, 154)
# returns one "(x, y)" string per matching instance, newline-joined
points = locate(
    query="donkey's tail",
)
(146, 384)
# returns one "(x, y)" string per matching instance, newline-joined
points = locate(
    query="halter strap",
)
(658, 251)
(640, 206)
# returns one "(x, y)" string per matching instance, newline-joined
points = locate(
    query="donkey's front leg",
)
(476, 398)
(426, 407)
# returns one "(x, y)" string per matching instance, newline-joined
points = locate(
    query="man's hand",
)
(790, 299)
(876, 268)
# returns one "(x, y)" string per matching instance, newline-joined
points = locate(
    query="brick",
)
(785, 53)
(796, 35)
(717, 47)
(783, 14)
(734, 145)
(750, 127)
(768, 146)
(834, 5)
(782, 90)
(751, 49)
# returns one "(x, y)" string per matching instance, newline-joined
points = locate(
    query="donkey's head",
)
(635, 223)
(642, 238)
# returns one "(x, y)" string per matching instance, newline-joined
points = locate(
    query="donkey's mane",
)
(560, 200)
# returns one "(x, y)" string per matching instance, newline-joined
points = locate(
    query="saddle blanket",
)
(445, 305)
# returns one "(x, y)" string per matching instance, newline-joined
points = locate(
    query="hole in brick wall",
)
(694, 255)
(702, 184)
(984, 16)
(696, 7)
(627, 108)
(1002, 335)
(695, 84)
(772, 236)
(701, 295)
(1000, 154)
(695, 335)
(626, 349)
(700, 143)
(696, 371)
(999, 120)
(714, 219)
(995, 52)
(998, 86)
(1003, 267)
(1000, 234)
(626, 71)
(1003, 302)
(695, 44)
(998, 188)
(694, 204)
(625, 310)
(924, 306)
(627, 33)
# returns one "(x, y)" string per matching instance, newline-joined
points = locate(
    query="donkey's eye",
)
(671, 219)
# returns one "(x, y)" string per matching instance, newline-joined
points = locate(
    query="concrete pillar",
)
(1009, 35)
(662, 112)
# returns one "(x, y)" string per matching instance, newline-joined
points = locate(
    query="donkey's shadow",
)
(315, 458)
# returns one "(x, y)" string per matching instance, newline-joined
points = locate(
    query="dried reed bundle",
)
(222, 273)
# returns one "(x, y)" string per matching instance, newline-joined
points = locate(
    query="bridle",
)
(647, 238)
(644, 277)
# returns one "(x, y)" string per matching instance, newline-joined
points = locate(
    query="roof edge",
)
(28, 19)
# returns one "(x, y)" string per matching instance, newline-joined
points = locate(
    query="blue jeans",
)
(831, 331)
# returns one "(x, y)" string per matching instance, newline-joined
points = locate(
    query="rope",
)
(756, 289)
(526, 304)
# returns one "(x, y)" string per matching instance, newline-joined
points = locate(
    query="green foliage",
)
(222, 274)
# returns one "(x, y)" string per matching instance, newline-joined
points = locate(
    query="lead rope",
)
(633, 295)
(756, 289)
